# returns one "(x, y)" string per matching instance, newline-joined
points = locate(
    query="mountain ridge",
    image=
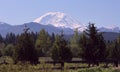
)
(59, 19)
(66, 26)
(34, 27)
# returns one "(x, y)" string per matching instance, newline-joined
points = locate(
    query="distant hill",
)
(110, 35)
(34, 27)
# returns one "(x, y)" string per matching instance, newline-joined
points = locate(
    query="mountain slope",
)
(34, 27)
(4, 28)
(110, 36)
(59, 19)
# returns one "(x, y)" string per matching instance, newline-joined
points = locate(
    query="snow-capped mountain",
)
(110, 29)
(59, 19)
(55, 22)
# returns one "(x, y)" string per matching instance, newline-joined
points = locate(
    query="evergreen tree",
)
(43, 42)
(83, 45)
(10, 38)
(93, 45)
(34, 35)
(61, 51)
(1, 39)
(53, 37)
(92, 49)
(115, 51)
(25, 49)
(109, 49)
(74, 43)
(102, 53)
(2, 46)
(8, 50)
(55, 48)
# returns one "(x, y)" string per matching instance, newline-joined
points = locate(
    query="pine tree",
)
(43, 42)
(83, 45)
(115, 52)
(53, 37)
(10, 38)
(61, 51)
(91, 32)
(2, 47)
(102, 53)
(25, 49)
(1, 39)
(8, 50)
(55, 48)
(74, 43)
(93, 45)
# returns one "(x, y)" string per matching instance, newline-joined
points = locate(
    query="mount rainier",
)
(59, 19)
(51, 22)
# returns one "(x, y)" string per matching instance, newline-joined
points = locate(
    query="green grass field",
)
(43, 67)
(49, 68)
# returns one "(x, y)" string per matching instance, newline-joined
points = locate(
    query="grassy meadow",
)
(49, 68)
(45, 67)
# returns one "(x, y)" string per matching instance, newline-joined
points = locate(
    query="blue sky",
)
(101, 12)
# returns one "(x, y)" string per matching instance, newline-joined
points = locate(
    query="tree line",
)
(89, 45)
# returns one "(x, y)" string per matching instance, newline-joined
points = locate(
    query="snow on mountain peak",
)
(59, 19)
(49, 15)
(112, 27)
